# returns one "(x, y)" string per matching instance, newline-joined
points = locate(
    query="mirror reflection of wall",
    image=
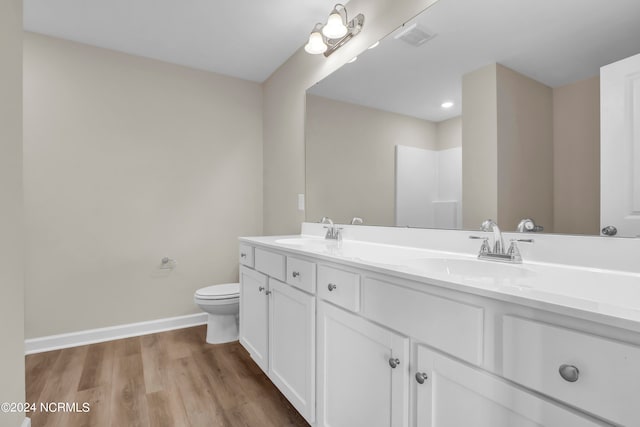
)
(526, 102)
(351, 158)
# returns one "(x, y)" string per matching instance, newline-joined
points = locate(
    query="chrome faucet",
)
(496, 251)
(333, 232)
(527, 225)
(498, 244)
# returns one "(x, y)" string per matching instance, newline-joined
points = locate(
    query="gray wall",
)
(507, 148)
(525, 150)
(350, 159)
(479, 147)
(11, 226)
(576, 157)
(128, 160)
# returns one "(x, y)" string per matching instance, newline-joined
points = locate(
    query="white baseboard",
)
(26, 422)
(91, 336)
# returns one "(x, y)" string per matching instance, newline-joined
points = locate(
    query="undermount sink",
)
(470, 268)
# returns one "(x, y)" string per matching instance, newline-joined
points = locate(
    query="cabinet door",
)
(357, 385)
(292, 340)
(254, 322)
(454, 394)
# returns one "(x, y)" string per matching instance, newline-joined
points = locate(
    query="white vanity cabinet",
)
(449, 393)
(254, 321)
(277, 326)
(363, 372)
(355, 346)
(292, 345)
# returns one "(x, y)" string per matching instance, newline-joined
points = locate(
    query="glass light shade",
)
(316, 44)
(335, 27)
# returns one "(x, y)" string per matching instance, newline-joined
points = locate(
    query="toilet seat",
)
(219, 292)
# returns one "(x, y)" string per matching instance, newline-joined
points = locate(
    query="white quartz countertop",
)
(603, 296)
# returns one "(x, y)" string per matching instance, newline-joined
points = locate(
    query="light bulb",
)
(447, 104)
(374, 45)
(335, 27)
(354, 59)
(316, 44)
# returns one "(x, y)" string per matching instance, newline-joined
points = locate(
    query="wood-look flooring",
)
(169, 379)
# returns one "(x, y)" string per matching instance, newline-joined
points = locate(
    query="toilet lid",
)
(227, 290)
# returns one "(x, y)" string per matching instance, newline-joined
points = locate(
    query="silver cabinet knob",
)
(609, 230)
(243, 255)
(295, 274)
(394, 362)
(261, 288)
(421, 377)
(569, 373)
(268, 293)
(331, 287)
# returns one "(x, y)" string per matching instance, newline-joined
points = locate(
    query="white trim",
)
(90, 336)
(26, 422)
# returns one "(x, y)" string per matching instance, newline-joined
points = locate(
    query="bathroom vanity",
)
(397, 327)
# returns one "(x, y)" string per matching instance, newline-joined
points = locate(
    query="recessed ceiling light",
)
(447, 104)
(352, 60)
(374, 45)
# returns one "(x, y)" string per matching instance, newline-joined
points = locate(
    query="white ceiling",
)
(553, 41)
(248, 39)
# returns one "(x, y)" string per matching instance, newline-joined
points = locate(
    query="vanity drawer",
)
(301, 274)
(450, 326)
(608, 372)
(246, 255)
(270, 263)
(339, 287)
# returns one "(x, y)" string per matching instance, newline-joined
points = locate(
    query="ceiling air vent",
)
(414, 34)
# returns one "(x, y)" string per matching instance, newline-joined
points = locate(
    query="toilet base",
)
(222, 328)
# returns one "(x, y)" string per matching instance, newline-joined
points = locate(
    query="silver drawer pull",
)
(569, 373)
(261, 288)
(295, 274)
(394, 362)
(421, 377)
(331, 287)
(243, 255)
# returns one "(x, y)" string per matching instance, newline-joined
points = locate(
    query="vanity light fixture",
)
(316, 43)
(374, 45)
(354, 59)
(335, 33)
(447, 104)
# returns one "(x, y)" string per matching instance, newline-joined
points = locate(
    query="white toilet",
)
(222, 303)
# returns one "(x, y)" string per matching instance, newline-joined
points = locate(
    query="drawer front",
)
(270, 263)
(301, 274)
(450, 326)
(339, 287)
(607, 372)
(246, 255)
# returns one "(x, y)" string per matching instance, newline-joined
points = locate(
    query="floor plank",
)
(60, 386)
(39, 367)
(98, 366)
(172, 379)
(128, 401)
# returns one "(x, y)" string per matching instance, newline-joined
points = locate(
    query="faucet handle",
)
(485, 248)
(513, 250)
